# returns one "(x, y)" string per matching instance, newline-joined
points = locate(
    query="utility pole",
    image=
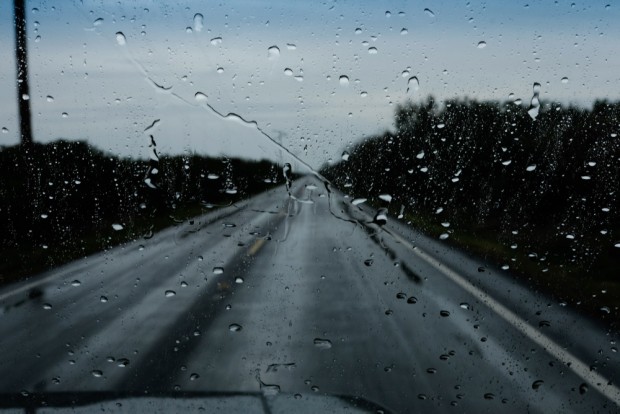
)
(21, 57)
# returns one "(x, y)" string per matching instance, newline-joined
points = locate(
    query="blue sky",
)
(105, 91)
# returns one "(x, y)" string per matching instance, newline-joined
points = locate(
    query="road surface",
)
(295, 298)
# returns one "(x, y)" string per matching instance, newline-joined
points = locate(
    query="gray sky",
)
(103, 88)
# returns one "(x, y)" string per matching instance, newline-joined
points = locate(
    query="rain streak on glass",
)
(287, 172)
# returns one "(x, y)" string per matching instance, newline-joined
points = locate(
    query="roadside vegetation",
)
(535, 195)
(65, 200)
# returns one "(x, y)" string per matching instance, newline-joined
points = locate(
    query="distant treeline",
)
(547, 188)
(61, 200)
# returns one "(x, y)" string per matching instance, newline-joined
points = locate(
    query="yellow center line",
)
(255, 247)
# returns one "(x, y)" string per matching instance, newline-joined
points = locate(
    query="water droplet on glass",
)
(98, 22)
(273, 52)
(170, 293)
(200, 97)
(381, 217)
(122, 362)
(97, 373)
(288, 72)
(117, 227)
(194, 377)
(537, 384)
(368, 262)
(198, 22)
(429, 12)
(489, 396)
(76, 283)
(464, 305)
(218, 270)
(443, 236)
(47, 306)
(64, 115)
(345, 156)
(583, 388)
(120, 38)
(322, 343)
(544, 324)
(358, 31)
(358, 201)
(482, 44)
(404, 31)
(372, 50)
(444, 313)
(239, 280)
(103, 299)
(535, 103)
(564, 79)
(344, 80)
(216, 41)
(413, 84)
(412, 300)
(234, 327)
(531, 167)
(220, 70)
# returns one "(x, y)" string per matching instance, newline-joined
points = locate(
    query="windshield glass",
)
(282, 206)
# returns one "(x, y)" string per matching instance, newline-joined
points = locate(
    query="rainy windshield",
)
(270, 206)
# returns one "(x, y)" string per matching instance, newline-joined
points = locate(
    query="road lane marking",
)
(596, 380)
(255, 247)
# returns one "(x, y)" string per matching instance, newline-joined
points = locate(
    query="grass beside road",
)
(60, 200)
(19, 264)
(594, 291)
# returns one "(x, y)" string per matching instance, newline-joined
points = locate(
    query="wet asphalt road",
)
(303, 296)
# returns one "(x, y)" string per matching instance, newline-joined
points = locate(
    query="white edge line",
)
(597, 381)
